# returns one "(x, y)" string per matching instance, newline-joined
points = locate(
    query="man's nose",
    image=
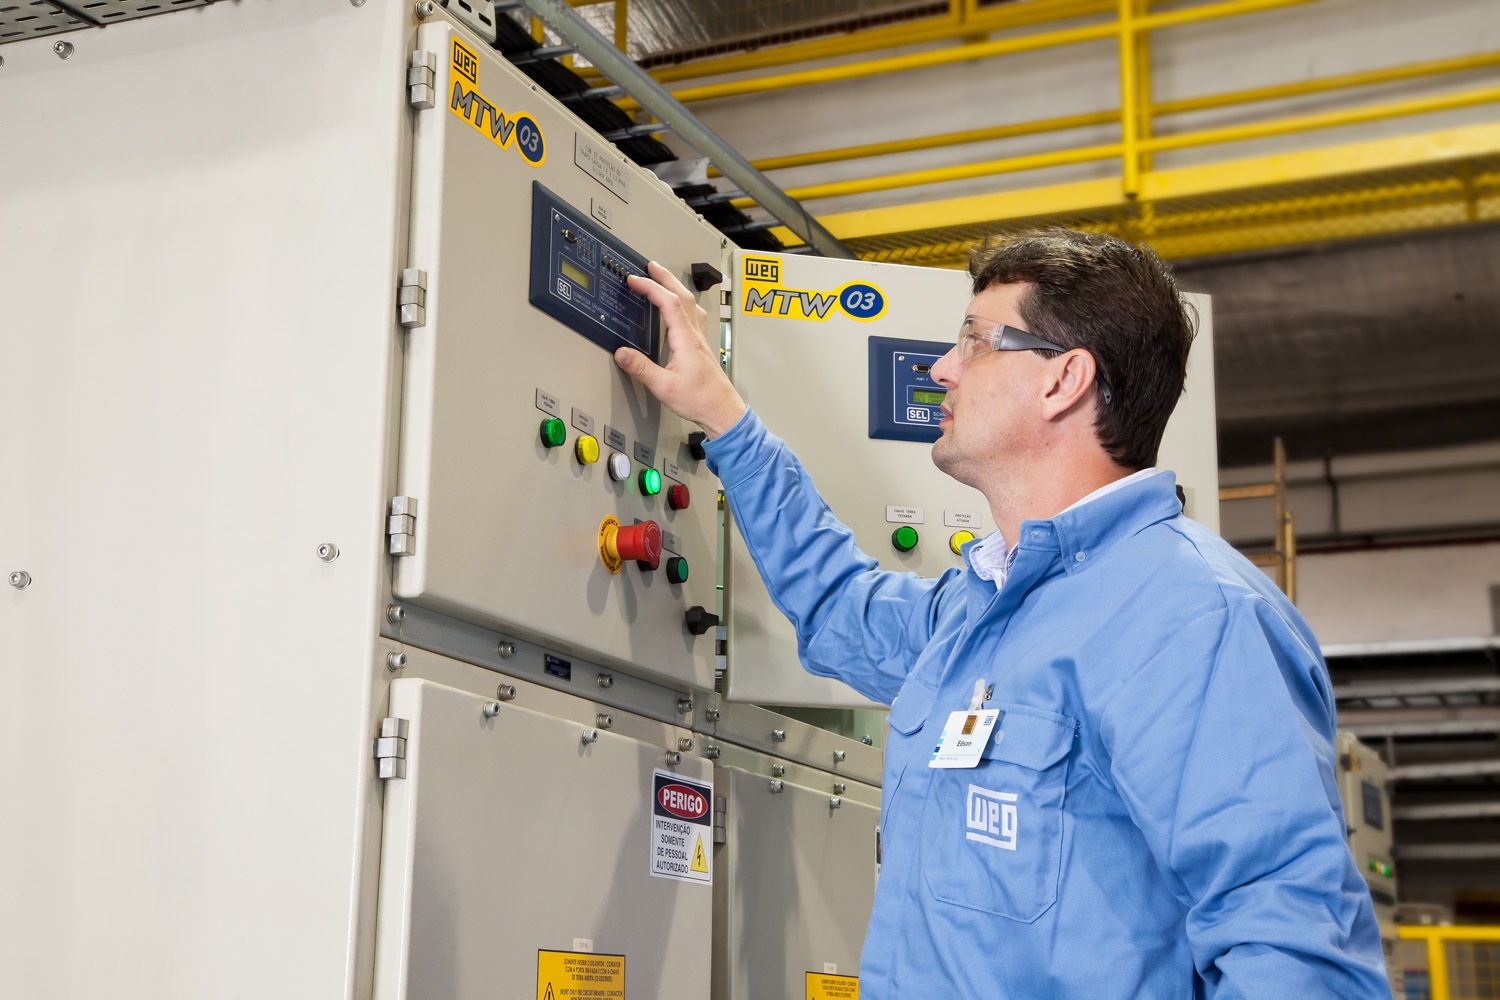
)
(945, 370)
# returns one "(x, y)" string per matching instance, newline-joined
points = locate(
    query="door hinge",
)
(721, 808)
(401, 526)
(421, 80)
(411, 297)
(390, 748)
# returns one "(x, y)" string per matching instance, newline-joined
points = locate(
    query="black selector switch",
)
(706, 276)
(699, 621)
(695, 445)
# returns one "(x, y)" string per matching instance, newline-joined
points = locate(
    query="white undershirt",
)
(991, 558)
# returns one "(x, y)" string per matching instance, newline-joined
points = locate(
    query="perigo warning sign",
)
(681, 828)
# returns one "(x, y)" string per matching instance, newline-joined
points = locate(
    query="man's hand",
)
(692, 385)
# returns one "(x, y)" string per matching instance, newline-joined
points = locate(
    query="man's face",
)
(991, 411)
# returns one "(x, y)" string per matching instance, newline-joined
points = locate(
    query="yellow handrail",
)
(1436, 939)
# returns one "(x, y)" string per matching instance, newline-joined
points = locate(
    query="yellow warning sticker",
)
(822, 986)
(576, 975)
(700, 860)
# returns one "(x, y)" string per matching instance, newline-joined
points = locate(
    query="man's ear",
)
(1072, 376)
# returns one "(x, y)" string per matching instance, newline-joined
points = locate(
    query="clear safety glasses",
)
(976, 336)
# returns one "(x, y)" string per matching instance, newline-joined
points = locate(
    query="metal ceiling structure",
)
(1356, 347)
(1423, 180)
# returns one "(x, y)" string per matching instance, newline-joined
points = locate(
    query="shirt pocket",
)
(992, 834)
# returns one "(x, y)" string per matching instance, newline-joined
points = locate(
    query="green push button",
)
(554, 432)
(904, 538)
(650, 482)
(677, 570)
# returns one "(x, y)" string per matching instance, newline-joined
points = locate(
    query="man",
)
(1154, 814)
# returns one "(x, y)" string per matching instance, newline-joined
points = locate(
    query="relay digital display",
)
(579, 276)
(905, 402)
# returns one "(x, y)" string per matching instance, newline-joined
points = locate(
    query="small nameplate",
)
(582, 421)
(904, 515)
(614, 438)
(600, 211)
(671, 542)
(961, 519)
(547, 403)
(672, 469)
(645, 454)
(602, 165)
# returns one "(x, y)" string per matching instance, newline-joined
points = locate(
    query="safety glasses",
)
(976, 336)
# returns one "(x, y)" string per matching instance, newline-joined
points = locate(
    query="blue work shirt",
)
(1155, 815)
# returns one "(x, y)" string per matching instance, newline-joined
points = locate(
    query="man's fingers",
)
(639, 367)
(673, 284)
(670, 305)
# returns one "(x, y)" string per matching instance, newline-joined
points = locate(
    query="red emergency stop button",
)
(677, 496)
(641, 542)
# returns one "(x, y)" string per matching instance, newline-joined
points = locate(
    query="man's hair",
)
(1118, 302)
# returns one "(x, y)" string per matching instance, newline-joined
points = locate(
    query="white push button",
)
(619, 467)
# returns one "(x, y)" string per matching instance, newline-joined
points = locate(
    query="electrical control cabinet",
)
(797, 327)
(1366, 800)
(516, 857)
(555, 498)
(795, 876)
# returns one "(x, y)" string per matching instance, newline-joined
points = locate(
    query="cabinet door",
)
(518, 234)
(795, 884)
(508, 837)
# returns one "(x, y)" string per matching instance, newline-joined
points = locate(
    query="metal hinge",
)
(401, 526)
(721, 808)
(421, 80)
(390, 748)
(411, 298)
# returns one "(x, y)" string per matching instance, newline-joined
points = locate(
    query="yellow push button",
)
(958, 539)
(587, 449)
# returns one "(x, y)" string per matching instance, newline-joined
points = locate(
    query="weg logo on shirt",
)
(991, 817)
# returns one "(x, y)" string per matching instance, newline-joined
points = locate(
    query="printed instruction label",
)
(582, 422)
(547, 403)
(681, 828)
(600, 211)
(671, 542)
(604, 165)
(672, 470)
(645, 454)
(571, 975)
(960, 519)
(615, 439)
(903, 515)
(822, 986)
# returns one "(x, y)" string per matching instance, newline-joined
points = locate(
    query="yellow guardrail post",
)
(1130, 121)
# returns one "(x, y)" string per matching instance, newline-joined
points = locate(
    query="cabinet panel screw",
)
(491, 709)
(685, 743)
(506, 692)
(506, 650)
(778, 736)
(604, 721)
(673, 758)
(395, 614)
(684, 706)
(64, 50)
(20, 579)
(835, 802)
(777, 784)
(328, 552)
(606, 681)
(839, 788)
(711, 715)
(838, 756)
(590, 736)
(395, 660)
(777, 770)
(425, 9)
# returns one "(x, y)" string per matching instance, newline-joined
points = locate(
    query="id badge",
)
(964, 738)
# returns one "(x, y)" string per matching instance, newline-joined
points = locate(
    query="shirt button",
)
(1079, 557)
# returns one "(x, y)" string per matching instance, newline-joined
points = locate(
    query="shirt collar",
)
(1085, 531)
(992, 556)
